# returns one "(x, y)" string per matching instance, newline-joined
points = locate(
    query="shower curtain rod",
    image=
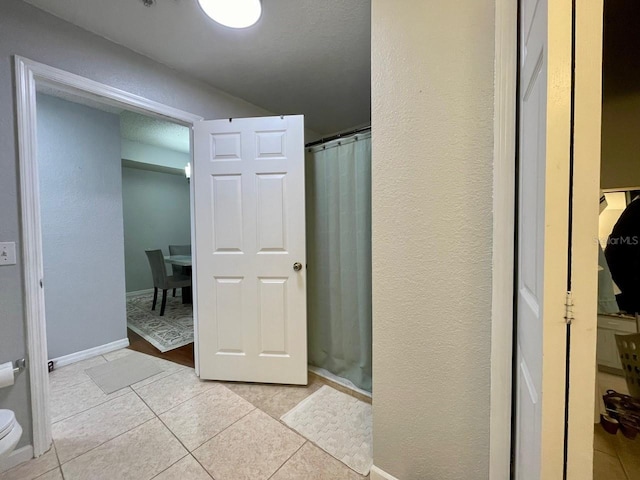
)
(338, 135)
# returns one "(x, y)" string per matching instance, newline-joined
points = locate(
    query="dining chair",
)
(161, 280)
(178, 250)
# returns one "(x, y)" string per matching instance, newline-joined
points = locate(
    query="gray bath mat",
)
(120, 373)
(337, 423)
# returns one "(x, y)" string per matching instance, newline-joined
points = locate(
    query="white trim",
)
(83, 87)
(17, 457)
(332, 377)
(194, 262)
(90, 353)
(504, 201)
(584, 262)
(379, 474)
(32, 258)
(138, 293)
(620, 189)
(28, 73)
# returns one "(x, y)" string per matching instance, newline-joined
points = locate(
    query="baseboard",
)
(379, 474)
(17, 457)
(321, 372)
(137, 293)
(89, 353)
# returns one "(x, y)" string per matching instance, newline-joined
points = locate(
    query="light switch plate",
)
(7, 253)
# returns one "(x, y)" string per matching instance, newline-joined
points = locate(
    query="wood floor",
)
(182, 355)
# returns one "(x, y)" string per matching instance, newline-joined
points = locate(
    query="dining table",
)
(183, 261)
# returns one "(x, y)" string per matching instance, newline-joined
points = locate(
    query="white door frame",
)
(504, 202)
(29, 75)
(588, 88)
(589, 21)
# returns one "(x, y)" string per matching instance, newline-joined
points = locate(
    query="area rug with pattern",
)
(339, 424)
(174, 329)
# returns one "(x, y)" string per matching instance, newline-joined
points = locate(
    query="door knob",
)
(297, 266)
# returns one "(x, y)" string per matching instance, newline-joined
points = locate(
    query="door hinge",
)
(568, 308)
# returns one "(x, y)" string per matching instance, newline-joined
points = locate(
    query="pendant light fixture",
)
(233, 13)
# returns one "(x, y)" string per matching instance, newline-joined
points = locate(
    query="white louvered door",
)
(250, 254)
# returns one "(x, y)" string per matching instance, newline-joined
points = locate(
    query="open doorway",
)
(269, 148)
(156, 216)
(113, 192)
(617, 414)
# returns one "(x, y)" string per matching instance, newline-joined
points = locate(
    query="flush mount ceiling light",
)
(233, 13)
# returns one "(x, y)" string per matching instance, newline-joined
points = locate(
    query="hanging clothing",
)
(338, 198)
(623, 256)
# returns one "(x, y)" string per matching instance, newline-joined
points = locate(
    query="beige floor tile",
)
(311, 463)
(201, 418)
(629, 455)
(73, 374)
(286, 399)
(603, 441)
(607, 467)
(52, 475)
(68, 401)
(157, 376)
(251, 449)
(256, 393)
(170, 391)
(139, 454)
(186, 469)
(33, 468)
(116, 354)
(84, 431)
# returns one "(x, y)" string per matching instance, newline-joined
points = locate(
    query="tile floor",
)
(173, 426)
(615, 457)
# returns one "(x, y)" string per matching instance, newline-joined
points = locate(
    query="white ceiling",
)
(303, 56)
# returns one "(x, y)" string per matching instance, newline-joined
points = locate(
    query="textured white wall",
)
(81, 216)
(432, 113)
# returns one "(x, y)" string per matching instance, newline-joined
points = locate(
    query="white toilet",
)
(10, 433)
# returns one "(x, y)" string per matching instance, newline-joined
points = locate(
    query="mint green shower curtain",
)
(338, 190)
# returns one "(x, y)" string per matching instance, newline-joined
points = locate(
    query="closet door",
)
(543, 238)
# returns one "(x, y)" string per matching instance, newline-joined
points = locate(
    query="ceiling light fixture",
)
(233, 13)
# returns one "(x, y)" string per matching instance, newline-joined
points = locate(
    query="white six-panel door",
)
(248, 179)
(543, 206)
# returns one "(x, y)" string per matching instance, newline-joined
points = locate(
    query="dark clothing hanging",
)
(623, 256)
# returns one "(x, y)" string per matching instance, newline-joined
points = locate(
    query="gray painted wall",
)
(432, 114)
(81, 217)
(32, 33)
(156, 214)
